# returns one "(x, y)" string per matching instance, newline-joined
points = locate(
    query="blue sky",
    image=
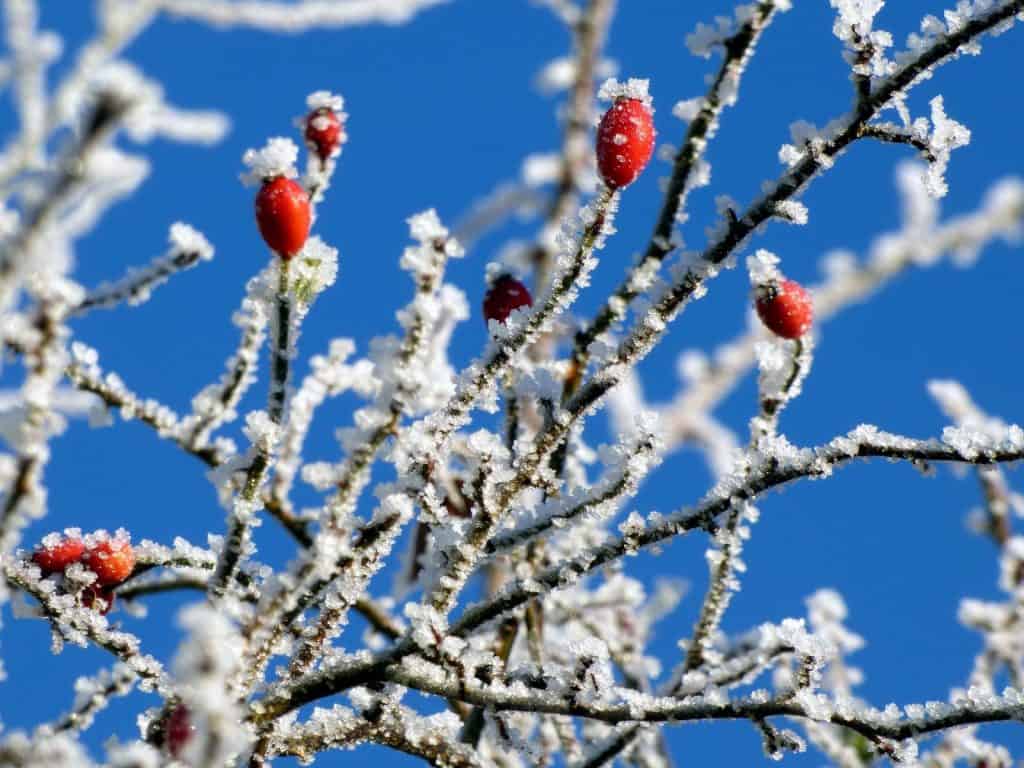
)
(440, 111)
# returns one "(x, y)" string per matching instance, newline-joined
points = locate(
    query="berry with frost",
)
(283, 215)
(785, 308)
(179, 730)
(625, 141)
(53, 556)
(505, 295)
(324, 132)
(112, 560)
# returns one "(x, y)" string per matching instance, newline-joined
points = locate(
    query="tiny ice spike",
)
(505, 295)
(112, 560)
(625, 142)
(785, 308)
(54, 557)
(324, 132)
(283, 215)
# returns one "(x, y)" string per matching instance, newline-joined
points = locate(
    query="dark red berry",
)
(53, 555)
(625, 141)
(112, 560)
(179, 730)
(324, 132)
(100, 597)
(504, 295)
(283, 215)
(785, 308)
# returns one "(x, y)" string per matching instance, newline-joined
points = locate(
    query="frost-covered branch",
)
(188, 248)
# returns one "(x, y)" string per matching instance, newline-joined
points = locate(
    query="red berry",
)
(178, 730)
(57, 552)
(112, 560)
(786, 309)
(324, 132)
(106, 596)
(283, 216)
(625, 141)
(505, 295)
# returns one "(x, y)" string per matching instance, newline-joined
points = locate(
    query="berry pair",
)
(112, 559)
(283, 213)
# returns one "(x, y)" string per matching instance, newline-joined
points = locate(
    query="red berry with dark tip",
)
(99, 597)
(324, 132)
(283, 215)
(785, 308)
(625, 141)
(112, 560)
(505, 295)
(178, 730)
(53, 555)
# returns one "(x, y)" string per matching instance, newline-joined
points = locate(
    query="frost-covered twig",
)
(94, 694)
(188, 248)
(588, 31)
(296, 17)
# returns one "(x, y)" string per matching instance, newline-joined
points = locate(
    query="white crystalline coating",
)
(294, 17)
(706, 38)
(147, 116)
(557, 75)
(276, 158)
(634, 88)
(262, 431)
(134, 754)
(325, 100)
(314, 268)
(188, 239)
(792, 211)
(947, 135)
(541, 169)
(763, 268)
(688, 110)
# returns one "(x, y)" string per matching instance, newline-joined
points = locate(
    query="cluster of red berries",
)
(785, 308)
(283, 213)
(112, 559)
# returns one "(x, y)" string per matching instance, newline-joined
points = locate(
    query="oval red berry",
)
(53, 556)
(179, 729)
(786, 309)
(503, 297)
(112, 560)
(323, 132)
(283, 215)
(625, 142)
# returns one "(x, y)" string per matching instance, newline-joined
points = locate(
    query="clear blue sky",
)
(443, 109)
